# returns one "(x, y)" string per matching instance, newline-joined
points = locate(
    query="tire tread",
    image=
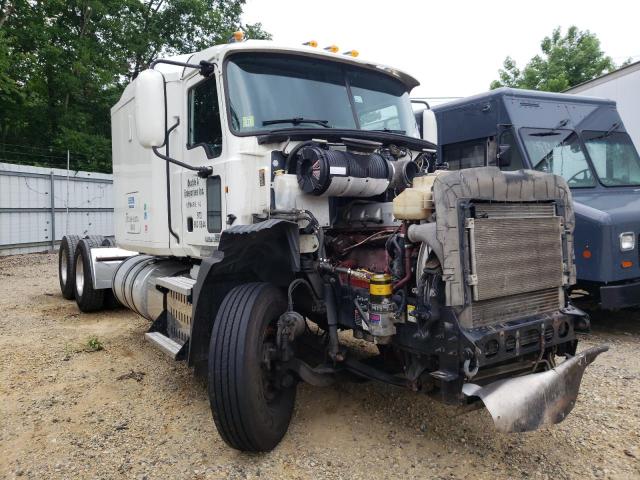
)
(91, 300)
(226, 367)
(68, 246)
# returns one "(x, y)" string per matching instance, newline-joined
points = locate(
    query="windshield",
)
(271, 91)
(559, 152)
(614, 158)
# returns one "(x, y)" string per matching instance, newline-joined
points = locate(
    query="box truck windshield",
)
(558, 152)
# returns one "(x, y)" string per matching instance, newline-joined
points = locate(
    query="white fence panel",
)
(31, 222)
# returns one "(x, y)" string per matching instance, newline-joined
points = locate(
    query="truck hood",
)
(613, 207)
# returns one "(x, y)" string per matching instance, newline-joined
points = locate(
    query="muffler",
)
(522, 404)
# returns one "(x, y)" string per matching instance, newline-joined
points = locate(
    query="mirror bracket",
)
(203, 172)
(205, 68)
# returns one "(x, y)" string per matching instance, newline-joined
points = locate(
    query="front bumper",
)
(620, 296)
(525, 403)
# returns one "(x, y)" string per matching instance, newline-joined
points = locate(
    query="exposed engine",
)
(367, 195)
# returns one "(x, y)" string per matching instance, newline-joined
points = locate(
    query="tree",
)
(64, 63)
(566, 61)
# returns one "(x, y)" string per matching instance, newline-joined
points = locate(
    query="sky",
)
(454, 48)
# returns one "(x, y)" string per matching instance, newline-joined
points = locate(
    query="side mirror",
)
(150, 108)
(504, 158)
(429, 127)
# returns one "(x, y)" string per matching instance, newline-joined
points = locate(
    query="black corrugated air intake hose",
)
(340, 173)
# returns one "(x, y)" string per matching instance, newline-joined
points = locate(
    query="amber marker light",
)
(311, 43)
(238, 36)
(332, 48)
(586, 253)
(626, 264)
(352, 53)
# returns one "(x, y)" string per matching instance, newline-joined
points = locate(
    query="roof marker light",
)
(237, 36)
(351, 53)
(311, 43)
(332, 48)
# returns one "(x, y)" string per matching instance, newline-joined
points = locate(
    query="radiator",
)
(516, 261)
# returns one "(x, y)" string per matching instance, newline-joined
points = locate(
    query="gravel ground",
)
(127, 411)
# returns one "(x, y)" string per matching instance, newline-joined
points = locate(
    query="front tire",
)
(250, 412)
(87, 297)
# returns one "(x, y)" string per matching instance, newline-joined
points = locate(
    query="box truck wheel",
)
(251, 412)
(87, 298)
(66, 257)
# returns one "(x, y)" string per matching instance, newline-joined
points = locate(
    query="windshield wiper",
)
(297, 121)
(549, 133)
(613, 128)
(388, 130)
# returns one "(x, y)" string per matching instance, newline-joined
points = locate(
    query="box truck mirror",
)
(150, 109)
(504, 156)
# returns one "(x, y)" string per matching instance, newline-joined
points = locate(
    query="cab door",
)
(203, 204)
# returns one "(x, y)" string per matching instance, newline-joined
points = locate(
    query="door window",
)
(204, 118)
(511, 159)
(465, 154)
(214, 205)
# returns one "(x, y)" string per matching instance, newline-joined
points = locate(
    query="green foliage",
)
(64, 63)
(566, 61)
(94, 345)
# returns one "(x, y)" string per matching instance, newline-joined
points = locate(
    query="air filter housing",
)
(338, 173)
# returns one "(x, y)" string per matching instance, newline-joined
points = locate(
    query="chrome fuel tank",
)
(134, 283)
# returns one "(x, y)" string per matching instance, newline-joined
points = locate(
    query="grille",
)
(516, 261)
(514, 307)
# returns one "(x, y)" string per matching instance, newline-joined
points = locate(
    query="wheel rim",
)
(79, 275)
(63, 267)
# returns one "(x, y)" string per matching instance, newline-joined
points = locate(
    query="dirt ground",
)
(127, 411)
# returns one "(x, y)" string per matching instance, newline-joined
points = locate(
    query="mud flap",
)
(522, 404)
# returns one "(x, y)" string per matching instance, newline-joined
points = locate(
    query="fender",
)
(268, 251)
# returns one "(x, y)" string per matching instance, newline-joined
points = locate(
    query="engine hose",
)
(394, 251)
(403, 304)
(296, 215)
(293, 285)
(407, 270)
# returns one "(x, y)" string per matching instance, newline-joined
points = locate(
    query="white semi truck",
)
(269, 200)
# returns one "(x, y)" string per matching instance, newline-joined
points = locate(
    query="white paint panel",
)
(625, 90)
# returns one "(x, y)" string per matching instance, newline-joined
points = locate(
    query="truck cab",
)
(583, 140)
(268, 197)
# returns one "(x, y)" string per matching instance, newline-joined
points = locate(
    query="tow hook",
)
(470, 373)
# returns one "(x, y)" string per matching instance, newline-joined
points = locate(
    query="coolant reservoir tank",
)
(416, 203)
(286, 191)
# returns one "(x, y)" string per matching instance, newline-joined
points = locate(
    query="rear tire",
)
(87, 297)
(250, 412)
(66, 273)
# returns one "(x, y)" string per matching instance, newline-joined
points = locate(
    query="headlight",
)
(627, 241)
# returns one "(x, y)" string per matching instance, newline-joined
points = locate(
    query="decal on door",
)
(132, 214)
